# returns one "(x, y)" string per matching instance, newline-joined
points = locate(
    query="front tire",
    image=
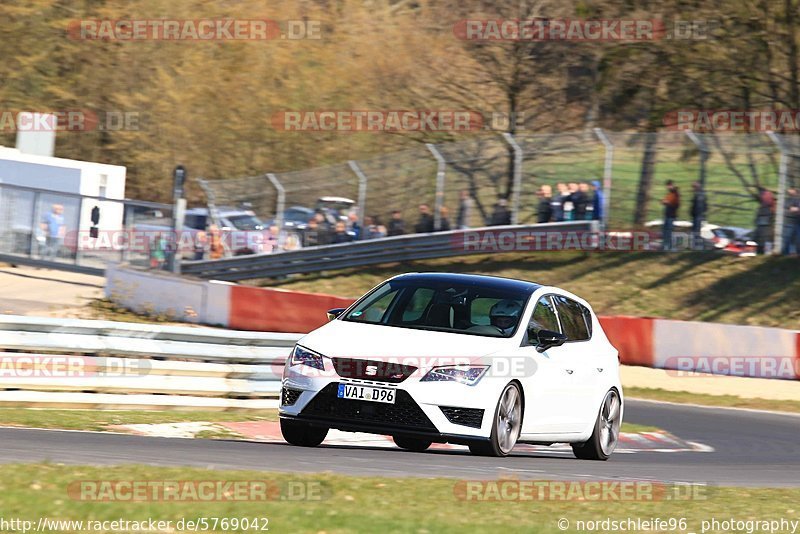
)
(606, 431)
(302, 434)
(506, 425)
(411, 444)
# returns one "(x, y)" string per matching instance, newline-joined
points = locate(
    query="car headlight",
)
(465, 374)
(302, 356)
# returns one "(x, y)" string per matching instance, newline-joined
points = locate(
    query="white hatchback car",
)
(478, 360)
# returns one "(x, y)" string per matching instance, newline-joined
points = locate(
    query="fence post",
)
(782, 171)
(517, 184)
(439, 200)
(701, 146)
(280, 203)
(607, 173)
(362, 192)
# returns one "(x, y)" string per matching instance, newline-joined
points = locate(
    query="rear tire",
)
(506, 425)
(411, 444)
(606, 431)
(302, 434)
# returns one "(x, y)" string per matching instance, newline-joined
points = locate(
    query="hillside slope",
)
(688, 286)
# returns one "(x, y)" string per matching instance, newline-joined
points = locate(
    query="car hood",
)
(358, 340)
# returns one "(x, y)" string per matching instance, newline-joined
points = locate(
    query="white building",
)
(56, 181)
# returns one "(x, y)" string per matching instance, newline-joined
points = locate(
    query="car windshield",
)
(442, 306)
(246, 222)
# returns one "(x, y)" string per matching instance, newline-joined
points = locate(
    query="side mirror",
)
(334, 313)
(546, 339)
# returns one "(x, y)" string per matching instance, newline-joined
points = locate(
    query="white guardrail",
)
(75, 363)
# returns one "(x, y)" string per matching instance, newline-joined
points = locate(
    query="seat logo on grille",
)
(371, 370)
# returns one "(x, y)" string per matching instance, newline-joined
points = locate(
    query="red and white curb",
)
(269, 432)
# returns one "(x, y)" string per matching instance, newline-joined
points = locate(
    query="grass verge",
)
(356, 504)
(729, 401)
(101, 420)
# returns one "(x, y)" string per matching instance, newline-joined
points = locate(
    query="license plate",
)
(366, 393)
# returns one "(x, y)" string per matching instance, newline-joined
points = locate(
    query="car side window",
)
(572, 319)
(544, 316)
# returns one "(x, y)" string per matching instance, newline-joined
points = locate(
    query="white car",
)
(477, 360)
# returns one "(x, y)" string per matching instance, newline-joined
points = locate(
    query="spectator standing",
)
(323, 229)
(791, 223)
(342, 235)
(200, 244)
(501, 215)
(355, 228)
(53, 228)
(698, 214)
(311, 233)
(397, 226)
(765, 221)
(671, 202)
(464, 210)
(598, 201)
(215, 247)
(580, 200)
(568, 203)
(158, 251)
(561, 195)
(425, 223)
(544, 212)
(444, 221)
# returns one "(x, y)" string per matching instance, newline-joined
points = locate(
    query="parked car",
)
(436, 357)
(725, 235)
(682, 230)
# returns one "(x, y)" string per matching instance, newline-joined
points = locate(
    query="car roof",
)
(492, 282)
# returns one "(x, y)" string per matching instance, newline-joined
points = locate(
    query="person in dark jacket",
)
(561, 195)
(544, 212)
(698, 214)
(501, 215)
(580, 201)
(397, 226)
(444, 220)
(791, 223)
(598, 201)
(342, 235)
(671, 202)
(425, 223)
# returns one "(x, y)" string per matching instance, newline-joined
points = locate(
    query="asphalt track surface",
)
(750, 449)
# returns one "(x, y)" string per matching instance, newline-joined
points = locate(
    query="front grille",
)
(393, 373)
(463, 416)
(404, 413)
(289, 396)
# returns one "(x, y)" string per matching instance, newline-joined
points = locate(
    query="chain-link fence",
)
(482, 180)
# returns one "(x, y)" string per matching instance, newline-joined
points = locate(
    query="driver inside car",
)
(505, 314)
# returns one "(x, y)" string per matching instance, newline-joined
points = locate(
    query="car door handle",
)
(570, 371)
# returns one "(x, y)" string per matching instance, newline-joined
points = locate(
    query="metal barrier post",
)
(362, 192)
(517, 184)
(701, 146)
(439, 200)
(782, 171)
(280, 204)
(607, 173)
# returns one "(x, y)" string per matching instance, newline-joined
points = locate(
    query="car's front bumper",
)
(420, 408)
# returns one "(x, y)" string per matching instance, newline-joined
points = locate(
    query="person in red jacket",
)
(671, 204)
